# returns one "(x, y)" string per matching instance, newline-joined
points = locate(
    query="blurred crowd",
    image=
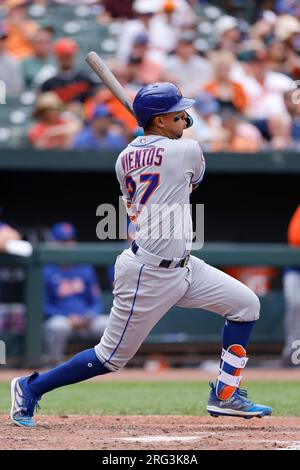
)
(244, 80)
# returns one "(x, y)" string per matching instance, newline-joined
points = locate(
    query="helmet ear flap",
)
(189, 120)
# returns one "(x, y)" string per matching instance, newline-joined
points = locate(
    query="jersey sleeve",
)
(120, 176)
(194, 163)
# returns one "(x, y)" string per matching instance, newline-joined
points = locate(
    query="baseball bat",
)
(108, 78)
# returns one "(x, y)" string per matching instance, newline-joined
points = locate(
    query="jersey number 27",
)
(152, 181)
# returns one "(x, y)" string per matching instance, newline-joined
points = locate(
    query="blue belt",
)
(165, 263)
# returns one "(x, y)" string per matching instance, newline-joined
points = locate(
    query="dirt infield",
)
(157, 432)
(152, 432)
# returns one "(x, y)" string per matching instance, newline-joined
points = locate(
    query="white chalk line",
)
(157, 439)
(164, 438)
(290, 445)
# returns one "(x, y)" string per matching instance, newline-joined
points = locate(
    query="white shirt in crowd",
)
(265, 100)
(10, 74)
(189, 76)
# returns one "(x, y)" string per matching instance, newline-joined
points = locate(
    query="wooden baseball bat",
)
(108, 78)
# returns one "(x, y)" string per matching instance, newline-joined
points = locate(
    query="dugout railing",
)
(180, 325)
(30, 160)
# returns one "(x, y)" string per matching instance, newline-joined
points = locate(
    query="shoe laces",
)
(241, 392)
(30, 404)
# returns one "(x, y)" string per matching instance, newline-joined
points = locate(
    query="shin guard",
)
(233, 360)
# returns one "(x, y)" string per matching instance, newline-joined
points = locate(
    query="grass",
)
(160, 398)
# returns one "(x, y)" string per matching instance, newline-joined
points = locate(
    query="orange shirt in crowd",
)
(294, 229)
(18, 41)
(239, 97)
(115, 107)
(46, 136)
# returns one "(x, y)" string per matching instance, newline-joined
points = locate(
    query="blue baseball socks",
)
(83, 366)
(236, 336)
(86, 364)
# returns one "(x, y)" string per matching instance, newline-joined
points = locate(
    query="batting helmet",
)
(159, 98)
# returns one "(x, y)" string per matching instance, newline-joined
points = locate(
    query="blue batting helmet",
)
(159, 98)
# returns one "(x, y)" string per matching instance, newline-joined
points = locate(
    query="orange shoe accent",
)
(226, 391)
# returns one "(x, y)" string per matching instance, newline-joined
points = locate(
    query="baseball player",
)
(157, 271)
(291, 290)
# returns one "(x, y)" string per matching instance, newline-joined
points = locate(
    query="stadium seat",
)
(37, 11)
(5, 136)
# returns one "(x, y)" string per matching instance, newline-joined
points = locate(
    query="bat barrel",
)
(107, 77)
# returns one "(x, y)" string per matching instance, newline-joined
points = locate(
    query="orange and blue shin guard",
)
(233, 360)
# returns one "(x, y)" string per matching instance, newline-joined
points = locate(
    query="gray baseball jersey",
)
(154, 170)
(155, 174)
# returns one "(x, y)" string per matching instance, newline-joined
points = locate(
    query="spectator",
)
(230, 94)
(277, 58)
(118, 9)
(117, 110)
(10, 72)
(141, 69)
(280, 132)
(264, 88)
(105, 97)
(263, 29)
(239, 136)
(181, 13)
(290, 7)
(41, 65)
(161, 21)
(145, 11)
(70, 84)
(292, 102)
(72, 300)
(101, 132)
(228, 33)
(174, 16)
(207, 128)
(20, 30)
(291, 290)
(53, 129)
(287, 30)
(186, 68)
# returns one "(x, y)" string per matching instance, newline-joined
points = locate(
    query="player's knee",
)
(252, 308)
(113, 365)
(256, 309)
(248, 310)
